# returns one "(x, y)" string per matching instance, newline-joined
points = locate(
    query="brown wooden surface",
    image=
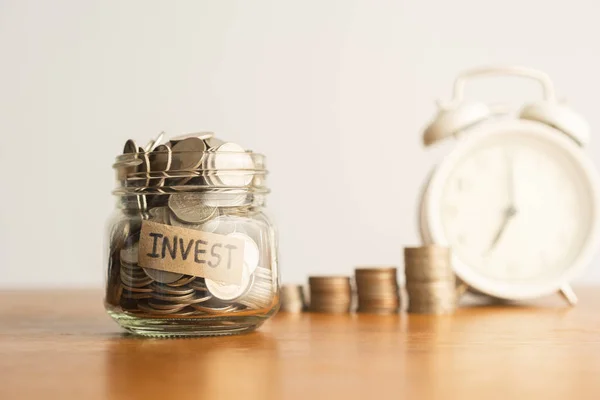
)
(61, 345)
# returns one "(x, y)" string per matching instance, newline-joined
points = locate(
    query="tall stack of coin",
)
(292, 298)
(430, 281)
(330, 294)
(377, 290)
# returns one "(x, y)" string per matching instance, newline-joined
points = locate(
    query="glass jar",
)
(190, 250)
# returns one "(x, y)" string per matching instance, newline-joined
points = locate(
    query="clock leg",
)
(569, 295)
(461, 289)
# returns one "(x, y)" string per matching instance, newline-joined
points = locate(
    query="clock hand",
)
(511, 182)
(509, 213)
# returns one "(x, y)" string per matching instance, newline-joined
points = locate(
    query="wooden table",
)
(61, 345)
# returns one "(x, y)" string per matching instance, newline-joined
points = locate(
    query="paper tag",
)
(191, 252)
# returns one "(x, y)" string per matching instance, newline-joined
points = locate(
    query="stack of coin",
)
(292, 298)
(377, 290)
(330, 294)
(195, 182)
(430, 281)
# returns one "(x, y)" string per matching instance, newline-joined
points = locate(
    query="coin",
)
(224, 198)
(377, 290)
(331, 294)
(137, 289)
(134, 295)
(251, 251)
(119, 233)
(199, 298)
(171, 297)
(162, 276)
(199, 285)
(165, 289)
(213, 143)
(130, 147)
(232, 166)
(161, 158)
(226, 291)
(183, 281)
(188, 207)
(130, 254)
(154, 143)
(430, 281)
(160, 215)
(188, 153)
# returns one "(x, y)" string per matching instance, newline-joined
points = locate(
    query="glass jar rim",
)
(166, 171)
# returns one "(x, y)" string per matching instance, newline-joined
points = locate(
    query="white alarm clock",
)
(517, 198)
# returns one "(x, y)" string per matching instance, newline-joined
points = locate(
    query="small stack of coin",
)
(330, 294)
(292, 298)
(430, 281)
(377, 290)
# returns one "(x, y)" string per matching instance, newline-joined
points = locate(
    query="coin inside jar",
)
(251, 252)
(162, 276)
(130, 147)
(160, 215)
(130, 254)
(189, 207)
(226, 291)
(160, 158)
(226, 158)
(188, 153)
(153, 143)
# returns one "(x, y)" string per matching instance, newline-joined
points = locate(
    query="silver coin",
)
(188, 154)
(135, 272)
(229, 162)
(189, 207)
(119, 233)
(251, 251)
(135, 296)
(154, 142)
(130, 147)
(180, 291)
(198, 285)
(174, 221)
(183, 281)
(229, 292)
(224, 198)
(161, 158)
(213, 143)
(173, 298)
(199, 298)
(160, 215)
(162, 276)
(140, 203)
(129, 254)
(137, 289)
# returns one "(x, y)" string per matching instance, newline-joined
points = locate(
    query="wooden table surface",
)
(61, 345)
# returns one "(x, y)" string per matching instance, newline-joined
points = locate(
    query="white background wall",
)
(335, 93)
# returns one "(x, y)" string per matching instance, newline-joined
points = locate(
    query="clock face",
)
(517, 207)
